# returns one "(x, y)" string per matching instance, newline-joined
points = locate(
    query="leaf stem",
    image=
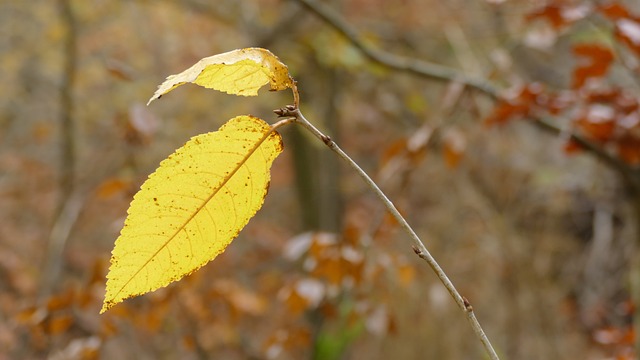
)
(418, 246)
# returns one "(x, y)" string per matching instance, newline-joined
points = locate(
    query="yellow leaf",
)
(192, 207)
(238, 72)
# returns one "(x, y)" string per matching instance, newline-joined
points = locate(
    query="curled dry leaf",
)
(237, 72)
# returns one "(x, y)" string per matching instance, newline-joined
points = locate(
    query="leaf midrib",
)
(197, 211)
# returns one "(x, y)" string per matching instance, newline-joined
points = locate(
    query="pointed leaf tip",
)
(237, 72)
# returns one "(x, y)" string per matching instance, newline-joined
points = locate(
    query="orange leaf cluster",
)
(336, 267)
(526, 100)
(605, 116)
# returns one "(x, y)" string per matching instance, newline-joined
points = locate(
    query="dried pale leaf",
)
(297, 246)
(312, 290)
(192, 207)
(378, 321)
(143, 121)
(237, 72)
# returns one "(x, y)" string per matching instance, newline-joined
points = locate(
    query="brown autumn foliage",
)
(533, 228)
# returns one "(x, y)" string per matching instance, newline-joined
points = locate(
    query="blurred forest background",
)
(516, 159)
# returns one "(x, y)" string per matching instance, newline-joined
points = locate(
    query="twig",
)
(418, 246)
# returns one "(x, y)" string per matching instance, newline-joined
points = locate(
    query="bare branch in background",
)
(69, 204)
(414, 66)
(443, 73)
